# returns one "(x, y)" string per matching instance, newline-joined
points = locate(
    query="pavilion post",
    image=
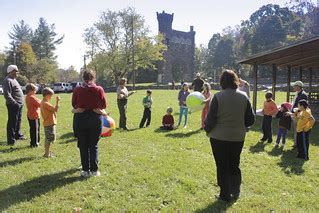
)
(310, 79)
(288, 83)
(255, 70)
(274, 80)
(300, 73)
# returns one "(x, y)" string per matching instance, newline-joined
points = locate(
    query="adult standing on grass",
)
(14, 100)
(229, 115)
(122, 96)
(198, 83)
(88, 123)
(300, 95)
(244, 87)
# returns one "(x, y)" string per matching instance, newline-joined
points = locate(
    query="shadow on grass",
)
(276, 151)
(36, 187)
(160, 130)
(68, 135)
(16, 161)
(217, 206)
(258, 147)
(182, 135)
(14, 148)
(290, 164)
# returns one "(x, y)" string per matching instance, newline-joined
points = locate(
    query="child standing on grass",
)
(182, 95)
(48, 112)
(168, 120)
(305, 122)
(33, 114)
(147, 103)
(284, 124)
(207, 93)
(270, 109)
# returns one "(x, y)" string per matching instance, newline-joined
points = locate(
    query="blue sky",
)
(71, 17)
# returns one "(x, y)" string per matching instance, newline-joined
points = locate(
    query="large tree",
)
(21, 33)
(45, 40)
(110, 39)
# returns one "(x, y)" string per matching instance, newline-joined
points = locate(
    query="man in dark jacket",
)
(14, 100)
(300, 95)
(198, 83)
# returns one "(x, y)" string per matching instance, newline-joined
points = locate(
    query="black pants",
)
(303, 144)
(266, 127)
(147, 116)
(34, 132)
(88, 127)
(122, 104)
(14, 123)
(227, 158)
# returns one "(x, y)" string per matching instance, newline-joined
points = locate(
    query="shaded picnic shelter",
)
(302, 56)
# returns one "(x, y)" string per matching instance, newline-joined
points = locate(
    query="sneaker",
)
(95, 174)
(85, 174)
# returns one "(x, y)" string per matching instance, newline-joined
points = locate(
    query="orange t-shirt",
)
(48, 113)
(270, 108)
(33, 107)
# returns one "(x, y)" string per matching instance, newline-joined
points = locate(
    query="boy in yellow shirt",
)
(48, 113)
(305, 122)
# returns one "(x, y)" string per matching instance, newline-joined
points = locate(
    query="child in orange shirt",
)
(33, 114)
(48, 112)
(269, 110)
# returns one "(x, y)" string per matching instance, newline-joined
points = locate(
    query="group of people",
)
(225, 125)
(298, 115)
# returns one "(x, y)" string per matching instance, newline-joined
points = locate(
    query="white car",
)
(62, 87)
(1, 90)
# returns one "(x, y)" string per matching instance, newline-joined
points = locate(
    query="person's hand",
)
(58, 98)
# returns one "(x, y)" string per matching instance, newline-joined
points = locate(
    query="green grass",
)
(149, 170)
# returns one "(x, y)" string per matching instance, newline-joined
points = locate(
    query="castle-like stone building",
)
(179, 63)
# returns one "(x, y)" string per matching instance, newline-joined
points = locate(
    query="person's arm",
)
(77, 110)
(279, 114)
(131, 93)
(7, 90)
(100, 112)
(74, 99)
(56, 108)
(211, 118)
(249, 115)
(104, 102)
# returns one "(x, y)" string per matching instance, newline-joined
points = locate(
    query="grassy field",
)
(149, 170)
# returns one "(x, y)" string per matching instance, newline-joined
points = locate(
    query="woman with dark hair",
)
(88, 100)
(229, 115)
(122, 96)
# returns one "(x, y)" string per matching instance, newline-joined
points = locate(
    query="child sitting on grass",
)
(305, 122)
(168, 120)
(48, 112)
(33, 114)
(270, 109)
(284, 124)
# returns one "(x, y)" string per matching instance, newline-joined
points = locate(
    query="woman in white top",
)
(122, 95)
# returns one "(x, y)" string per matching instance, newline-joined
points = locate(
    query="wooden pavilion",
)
(303, 55)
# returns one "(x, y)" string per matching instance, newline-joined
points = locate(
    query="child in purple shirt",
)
(182, 95)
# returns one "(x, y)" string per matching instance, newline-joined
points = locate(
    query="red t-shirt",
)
(89, 96)
(168, 120)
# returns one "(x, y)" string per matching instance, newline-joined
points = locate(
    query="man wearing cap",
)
(300, 95)
(198, 83)
(14, 100)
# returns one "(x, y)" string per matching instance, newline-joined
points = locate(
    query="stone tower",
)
(179, 63)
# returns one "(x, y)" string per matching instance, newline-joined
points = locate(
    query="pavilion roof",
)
(302, 54)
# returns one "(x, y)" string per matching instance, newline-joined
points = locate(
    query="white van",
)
(62, 87)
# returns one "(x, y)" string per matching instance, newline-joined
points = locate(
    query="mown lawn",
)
(149, 170)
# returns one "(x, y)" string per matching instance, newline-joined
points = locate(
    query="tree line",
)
(33, 52)
(269, 27)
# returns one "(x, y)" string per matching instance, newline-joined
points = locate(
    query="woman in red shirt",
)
(88, 123)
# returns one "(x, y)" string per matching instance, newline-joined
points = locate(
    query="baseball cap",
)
(297, 83)
(12, 68)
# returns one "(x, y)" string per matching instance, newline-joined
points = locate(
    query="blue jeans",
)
(281, 133)
(183, 110)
